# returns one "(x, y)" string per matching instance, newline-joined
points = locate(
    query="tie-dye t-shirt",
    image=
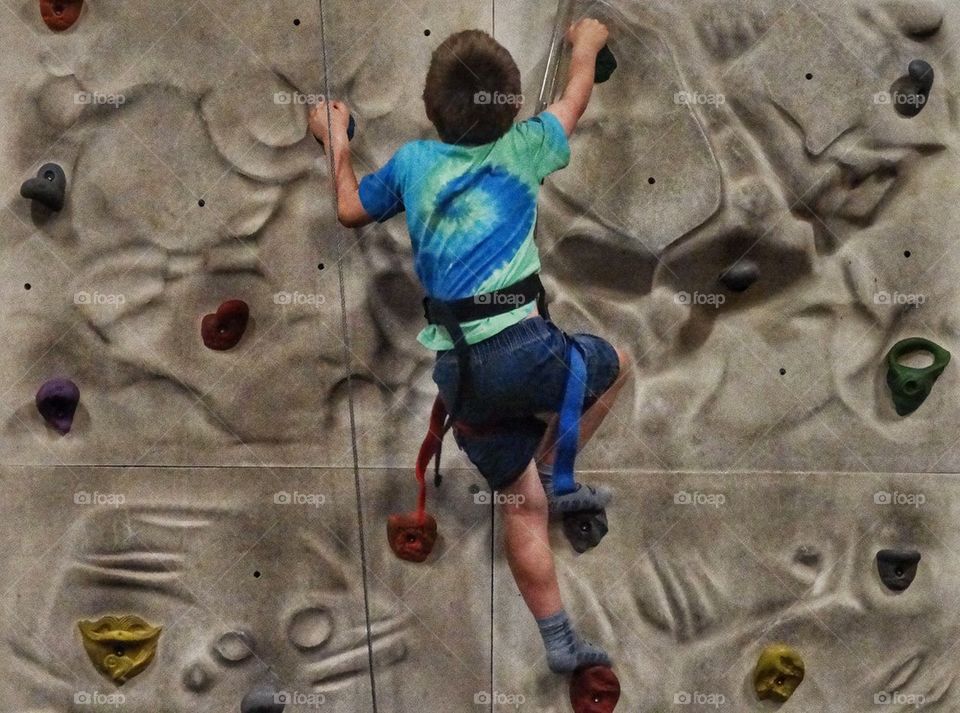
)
(471, 212)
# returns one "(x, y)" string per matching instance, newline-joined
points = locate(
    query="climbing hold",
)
(897, 568)
(740, 276)
(922, 73)
(595, 689)
(411, 537)
(585, 529)
(48, 187)
(779, 671)
(120, 647)
(606, 65)
(57, 402)
(59, 15)
(263, 699)
(911, 386)
(911, 92)
(223, 329)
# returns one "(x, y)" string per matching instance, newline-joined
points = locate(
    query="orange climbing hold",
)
(59, 15)
(595, 689)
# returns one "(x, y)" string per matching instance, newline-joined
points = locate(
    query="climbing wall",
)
(759, 207)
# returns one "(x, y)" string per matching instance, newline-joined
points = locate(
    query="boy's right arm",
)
(588, 36)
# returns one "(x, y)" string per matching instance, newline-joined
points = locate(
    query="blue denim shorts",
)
(515, 375)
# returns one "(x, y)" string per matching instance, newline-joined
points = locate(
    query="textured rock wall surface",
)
(758, 460)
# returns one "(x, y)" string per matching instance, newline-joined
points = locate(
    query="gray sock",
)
(566, 652)
(585, 497)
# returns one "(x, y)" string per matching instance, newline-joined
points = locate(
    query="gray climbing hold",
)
(585, 529)
(740, 276)
(897, 568)
(48, 187)
(57, 402)
(263, 699)
(911, 92)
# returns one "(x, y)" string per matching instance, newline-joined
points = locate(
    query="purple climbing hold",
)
(57, 402)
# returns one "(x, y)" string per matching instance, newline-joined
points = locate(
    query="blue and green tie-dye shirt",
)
(471, 212)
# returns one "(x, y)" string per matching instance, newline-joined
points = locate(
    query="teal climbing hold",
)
(909, 385)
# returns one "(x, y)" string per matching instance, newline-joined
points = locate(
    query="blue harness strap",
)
(568, 427)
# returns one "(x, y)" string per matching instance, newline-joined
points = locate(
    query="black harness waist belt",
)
(489, 304)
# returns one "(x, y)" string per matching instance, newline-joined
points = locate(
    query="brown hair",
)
(472, 93)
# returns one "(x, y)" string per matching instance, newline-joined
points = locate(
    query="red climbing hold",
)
(412, 536)
(595, 689)
(60, 14)
(223, 329)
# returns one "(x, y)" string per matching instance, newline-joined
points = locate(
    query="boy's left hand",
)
(339, 122)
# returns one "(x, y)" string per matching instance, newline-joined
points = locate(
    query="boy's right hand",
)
(588, 34)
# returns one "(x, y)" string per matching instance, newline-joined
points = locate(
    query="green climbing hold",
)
(779, 671)
(606, 64)
(909, 385)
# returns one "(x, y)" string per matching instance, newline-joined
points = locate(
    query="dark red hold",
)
(594, 690)
(412, 538)
(223, 329)
(57, 402)
(60, 14)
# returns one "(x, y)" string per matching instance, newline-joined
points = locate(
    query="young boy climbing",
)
(502, 367)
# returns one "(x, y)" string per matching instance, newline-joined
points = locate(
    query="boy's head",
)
(472, 94)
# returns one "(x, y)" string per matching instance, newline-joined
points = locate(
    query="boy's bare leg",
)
(527, 543)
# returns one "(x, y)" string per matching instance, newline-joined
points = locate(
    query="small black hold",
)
(585, 529)
(320, 266)
(201, 202)
(606, 65)
(809, 76)
(426, 33)
(263, 699)
(26, 285)
(297, 22)
(906, 253)
(922, 73)
(48, 187)
(911, 92)
(740, 276)
(257, 574)
(783, 372)
(897, 568)
(651, 180)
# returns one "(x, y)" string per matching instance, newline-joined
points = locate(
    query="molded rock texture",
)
(769, 142)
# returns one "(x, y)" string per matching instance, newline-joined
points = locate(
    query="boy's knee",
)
(626, 364)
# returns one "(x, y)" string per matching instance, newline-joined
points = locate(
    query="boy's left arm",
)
(350, 211)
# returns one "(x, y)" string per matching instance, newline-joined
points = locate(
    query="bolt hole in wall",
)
(256, 574)
(296, 22)
(321, 266)
(26, 285)
(809, 76)
(201, 202)
(906, 253)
